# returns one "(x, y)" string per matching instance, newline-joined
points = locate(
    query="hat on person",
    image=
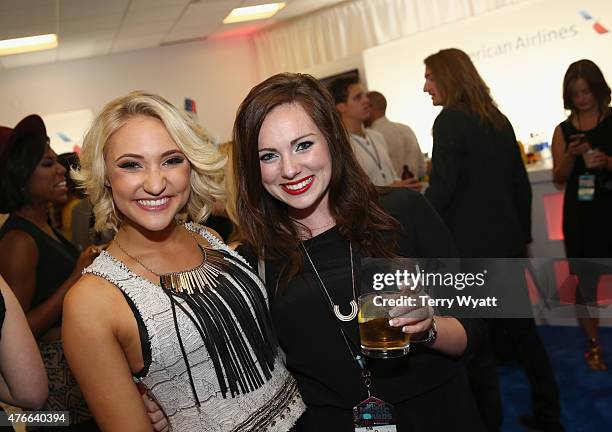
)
(30, 125)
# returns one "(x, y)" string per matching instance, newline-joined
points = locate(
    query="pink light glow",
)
(238, 32)
(553, 211)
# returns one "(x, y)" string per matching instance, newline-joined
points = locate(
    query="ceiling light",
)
(251, 13)
(27, 44)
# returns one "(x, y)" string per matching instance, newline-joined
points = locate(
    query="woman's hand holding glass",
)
(414, 320)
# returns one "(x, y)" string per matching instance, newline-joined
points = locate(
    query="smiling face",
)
(295, 162)
(437, 96)
(582, 97)
(48, 180)
(147, 173)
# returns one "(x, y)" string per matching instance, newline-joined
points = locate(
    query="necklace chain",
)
(323, 226)
(335, 307)
(317, 228)
(148, 268)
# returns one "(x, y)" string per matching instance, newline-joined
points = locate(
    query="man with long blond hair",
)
(480, 187)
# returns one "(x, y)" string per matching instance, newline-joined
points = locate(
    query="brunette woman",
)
(308, 215)
(582, 157)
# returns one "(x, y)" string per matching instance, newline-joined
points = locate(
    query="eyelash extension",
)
(266, 157)
(127, 165)
(306, 144)
(175, 160)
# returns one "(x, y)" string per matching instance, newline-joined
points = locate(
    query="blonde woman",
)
(168, 304)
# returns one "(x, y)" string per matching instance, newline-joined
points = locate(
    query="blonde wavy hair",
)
(207, 163)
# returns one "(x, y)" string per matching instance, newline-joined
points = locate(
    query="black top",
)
(308, 331)
(586, 224)
(56, 259)
(479, 186)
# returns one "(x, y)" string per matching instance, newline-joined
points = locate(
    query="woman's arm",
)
(18, 261)
(563, 159)
(91, 332)
(23, 380)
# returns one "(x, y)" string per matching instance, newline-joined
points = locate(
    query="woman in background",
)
(36, 261)
(582, 153)
(479, 185)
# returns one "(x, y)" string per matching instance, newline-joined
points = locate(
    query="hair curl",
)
(207, 164)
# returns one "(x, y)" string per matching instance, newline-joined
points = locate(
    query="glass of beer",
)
(378, 338)
(381, 299)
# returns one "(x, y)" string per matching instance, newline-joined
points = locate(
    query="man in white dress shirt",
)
(369, 146)
(401, 141)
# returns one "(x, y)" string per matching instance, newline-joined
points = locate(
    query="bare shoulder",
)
(558, 136)
(92, 296)
(18, 243)
(18, 255)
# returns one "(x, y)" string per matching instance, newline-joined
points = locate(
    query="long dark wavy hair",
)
(591, 74)
(264, 223)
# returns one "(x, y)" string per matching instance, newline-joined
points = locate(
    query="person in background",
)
(76, 213)
(36, 261)
(307, 215)
(23, 381)
(368, 145)
(219, 220)
(402, 143)
(480, 187)
(582, 152)
(168, 304)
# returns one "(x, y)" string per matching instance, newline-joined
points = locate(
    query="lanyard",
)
(375, 156)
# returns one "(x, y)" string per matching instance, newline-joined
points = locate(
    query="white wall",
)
(521, 51)
(217, 74)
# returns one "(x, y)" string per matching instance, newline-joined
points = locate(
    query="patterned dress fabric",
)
(275, 406)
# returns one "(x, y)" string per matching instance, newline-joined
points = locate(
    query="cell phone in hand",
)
(581, 138)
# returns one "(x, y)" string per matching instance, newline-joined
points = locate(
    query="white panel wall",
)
(521, 51)
(217, 74)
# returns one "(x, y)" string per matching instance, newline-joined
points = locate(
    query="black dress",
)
(420, 385)
(587, 225)
(56, 258)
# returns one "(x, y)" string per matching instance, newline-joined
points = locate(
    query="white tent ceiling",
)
(88, 28)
